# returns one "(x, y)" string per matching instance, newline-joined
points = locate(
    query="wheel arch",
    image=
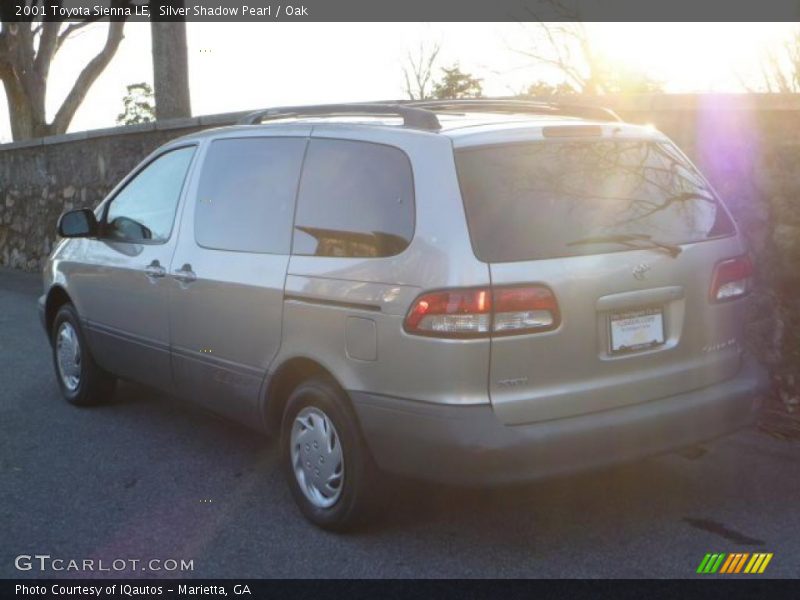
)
(57, 297)
(282, 382)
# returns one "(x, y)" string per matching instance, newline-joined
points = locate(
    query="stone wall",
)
(747, 145)
(40, 179)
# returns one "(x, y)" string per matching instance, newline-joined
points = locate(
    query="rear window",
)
(536, 200)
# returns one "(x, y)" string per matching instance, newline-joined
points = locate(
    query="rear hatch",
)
(626, 236)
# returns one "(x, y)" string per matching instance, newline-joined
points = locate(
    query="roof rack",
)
(519, 106)
(415, 117)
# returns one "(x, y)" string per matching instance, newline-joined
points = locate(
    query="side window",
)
(356, 199)
(245, 198)
(144, 210)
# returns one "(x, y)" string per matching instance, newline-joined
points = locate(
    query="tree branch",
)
(47, 47)
(87, 77)
(421, 71)
(4, 51)
(72, 28)
(24, 42)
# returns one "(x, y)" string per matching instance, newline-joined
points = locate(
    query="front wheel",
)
(82, 382)
(327, 465)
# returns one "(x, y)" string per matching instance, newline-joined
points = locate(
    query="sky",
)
(241, 66)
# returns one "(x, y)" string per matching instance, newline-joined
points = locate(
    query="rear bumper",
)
(468, 445)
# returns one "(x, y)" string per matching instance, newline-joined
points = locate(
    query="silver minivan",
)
(471, 292)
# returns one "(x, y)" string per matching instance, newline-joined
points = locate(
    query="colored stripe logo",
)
(741, 562)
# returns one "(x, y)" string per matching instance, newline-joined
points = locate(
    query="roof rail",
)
(415, 117)
(520, 106)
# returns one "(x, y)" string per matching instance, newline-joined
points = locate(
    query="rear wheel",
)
(327, 465)
(82, 382)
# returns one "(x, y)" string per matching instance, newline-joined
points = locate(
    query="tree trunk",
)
(24, 71)
(26, 112)
(170, 70)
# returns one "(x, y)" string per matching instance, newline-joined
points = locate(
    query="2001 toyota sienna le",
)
(470, 292)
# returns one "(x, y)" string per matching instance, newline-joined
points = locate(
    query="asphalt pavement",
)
(149, 477)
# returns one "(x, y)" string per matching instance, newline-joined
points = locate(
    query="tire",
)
(303, 436)
(82, 382)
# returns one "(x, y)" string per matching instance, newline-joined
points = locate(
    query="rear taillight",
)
(452, 313)
(478, 312)
(523, 310)
(732, 279)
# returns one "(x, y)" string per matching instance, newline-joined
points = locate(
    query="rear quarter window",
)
(535, 200)
(356, 199)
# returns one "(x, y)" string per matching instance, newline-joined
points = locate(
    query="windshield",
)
(535, 200)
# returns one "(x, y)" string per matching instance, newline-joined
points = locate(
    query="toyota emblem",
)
(640, 271)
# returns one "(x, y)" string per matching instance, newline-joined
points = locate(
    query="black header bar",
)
(266, 11)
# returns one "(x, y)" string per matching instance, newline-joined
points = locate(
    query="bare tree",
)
(566, 48)
(26, 52)
(418, 72)
(780, 71)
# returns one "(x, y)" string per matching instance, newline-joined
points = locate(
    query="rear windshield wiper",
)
(632, 240)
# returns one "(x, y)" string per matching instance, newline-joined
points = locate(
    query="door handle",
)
(154, 270)
(185, 274)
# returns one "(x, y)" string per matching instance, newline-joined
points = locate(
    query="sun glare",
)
(689, 57)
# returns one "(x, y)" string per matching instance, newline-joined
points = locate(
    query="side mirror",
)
(78, 223)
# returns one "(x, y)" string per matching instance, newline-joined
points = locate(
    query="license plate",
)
(637, 330)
